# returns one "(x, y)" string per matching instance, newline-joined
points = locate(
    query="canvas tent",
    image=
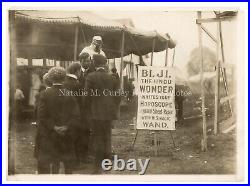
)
(55, 38)
(61, 35)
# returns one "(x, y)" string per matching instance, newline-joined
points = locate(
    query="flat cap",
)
(57, 74)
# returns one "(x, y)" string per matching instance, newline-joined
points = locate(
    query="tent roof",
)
(59, 27)
(126, 21)
(68, 17)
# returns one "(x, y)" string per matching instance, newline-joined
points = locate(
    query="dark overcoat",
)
(54, 109)
(103, 96)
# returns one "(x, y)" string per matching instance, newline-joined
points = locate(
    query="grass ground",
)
(187, 158)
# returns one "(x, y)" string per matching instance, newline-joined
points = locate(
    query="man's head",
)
(57, 74)
(85, 60)
(97, 42)
(99, 60)
(74, 68)
(46, 80)
(114, 70)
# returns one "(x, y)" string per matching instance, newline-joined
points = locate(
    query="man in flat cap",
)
(57, 116)
(101, 87)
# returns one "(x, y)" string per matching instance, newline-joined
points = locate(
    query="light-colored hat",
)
(97, 40)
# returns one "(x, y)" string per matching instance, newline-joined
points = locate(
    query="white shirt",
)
(72, 75)
(91, 51)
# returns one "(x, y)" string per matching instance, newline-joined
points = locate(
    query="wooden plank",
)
(225, 99)
(224, 125)
(229, 129)
(213, 20)
(204, 124)
(208, 33)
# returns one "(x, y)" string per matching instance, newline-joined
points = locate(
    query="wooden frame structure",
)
(220, 69)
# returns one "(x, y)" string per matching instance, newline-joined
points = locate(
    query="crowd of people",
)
(66, 121)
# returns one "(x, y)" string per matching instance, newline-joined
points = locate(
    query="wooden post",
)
(173, 58)
(122, 55)
(12, 124)
(217, 82)
(76, 42)
(166, 58)
(152, 53)
(204, 125)
(114, 63)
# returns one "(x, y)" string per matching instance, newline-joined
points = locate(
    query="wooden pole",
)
(114, 63)
(76, 42)
(122, 55)
(152, 53)
(173, 58)
(166, 58)
(12, 122)
(217, 82)
(204, 124)
(155, 132)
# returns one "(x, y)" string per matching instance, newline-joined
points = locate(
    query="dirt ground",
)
(185, 158)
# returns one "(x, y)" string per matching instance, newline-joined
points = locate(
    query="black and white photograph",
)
(127, 91)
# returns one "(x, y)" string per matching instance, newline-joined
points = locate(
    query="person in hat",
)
(102, 101)
(94, 48)
(72, 83)
(45, 85)
(57, 116)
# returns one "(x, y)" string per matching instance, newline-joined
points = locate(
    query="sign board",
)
(156, 101)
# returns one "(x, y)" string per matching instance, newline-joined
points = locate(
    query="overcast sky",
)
(182, 28)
